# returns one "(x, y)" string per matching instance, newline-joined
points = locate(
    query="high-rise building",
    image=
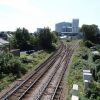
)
(68, 27)
(75, 26)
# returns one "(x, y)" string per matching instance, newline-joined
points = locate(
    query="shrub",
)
(10, 65)
(68, 40)
(26, 60)
(97, 61)
(85, 56)
(96, 57)
(93, 91)
(15, 67)
(88, 44)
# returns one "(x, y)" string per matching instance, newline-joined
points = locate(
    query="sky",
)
(33, 14)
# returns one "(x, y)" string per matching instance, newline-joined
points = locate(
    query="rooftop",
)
(86, 71)
(87, 74)
(3, 41)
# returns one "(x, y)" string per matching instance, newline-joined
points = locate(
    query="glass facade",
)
(67, 27)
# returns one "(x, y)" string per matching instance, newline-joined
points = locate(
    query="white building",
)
(68, 28)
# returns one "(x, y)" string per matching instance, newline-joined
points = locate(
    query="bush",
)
(15, 67)
(96, 57)
(93, 91)
(68, 40)
(85, 56)
(97, 61)
(10, 65)
(88, 44)
(80, 64)
(26, 60)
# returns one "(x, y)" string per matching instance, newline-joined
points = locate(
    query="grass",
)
(37, 59)
(81, 59)
(4, 82)
(75, 73)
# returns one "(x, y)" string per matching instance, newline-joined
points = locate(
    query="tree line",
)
(91, 33)
(24, 40)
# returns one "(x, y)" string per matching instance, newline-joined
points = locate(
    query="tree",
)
(89, 31)
(45, 38)
(13, 42)
(10, 65)
(22, 36)
(24, 40)
(54, 36)
(21, 39)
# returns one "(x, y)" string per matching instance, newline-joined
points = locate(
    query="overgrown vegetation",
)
(83, 59)
(10, 65)
(12, 68)
(42, 43)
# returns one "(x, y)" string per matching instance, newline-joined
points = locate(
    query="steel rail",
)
(66, 64)
(7, 96)
(58, 65)
(67, 56)
(50, 79)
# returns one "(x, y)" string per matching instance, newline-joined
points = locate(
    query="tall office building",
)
(68, 27)
(75, 26)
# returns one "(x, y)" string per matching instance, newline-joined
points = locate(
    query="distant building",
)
(5, 34)
(39, 29)
(68, 28)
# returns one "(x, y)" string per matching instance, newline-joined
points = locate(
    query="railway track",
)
(40, 86)
(44, 82)
(50, 92)
(33, 77)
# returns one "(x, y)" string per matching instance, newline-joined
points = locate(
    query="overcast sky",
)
(33, 14)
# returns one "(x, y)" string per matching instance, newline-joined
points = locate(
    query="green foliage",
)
(4, 82)
(11, 68)
(10, 65)
(89, 31)
(34, 40)
(83, 59)
(22, 37)
(46, 38)
(54, 37)
(93, 92)
(96, 57)
(13, 42)
(96, 70)
(23, 40)
(15, 67)
(88, 44)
